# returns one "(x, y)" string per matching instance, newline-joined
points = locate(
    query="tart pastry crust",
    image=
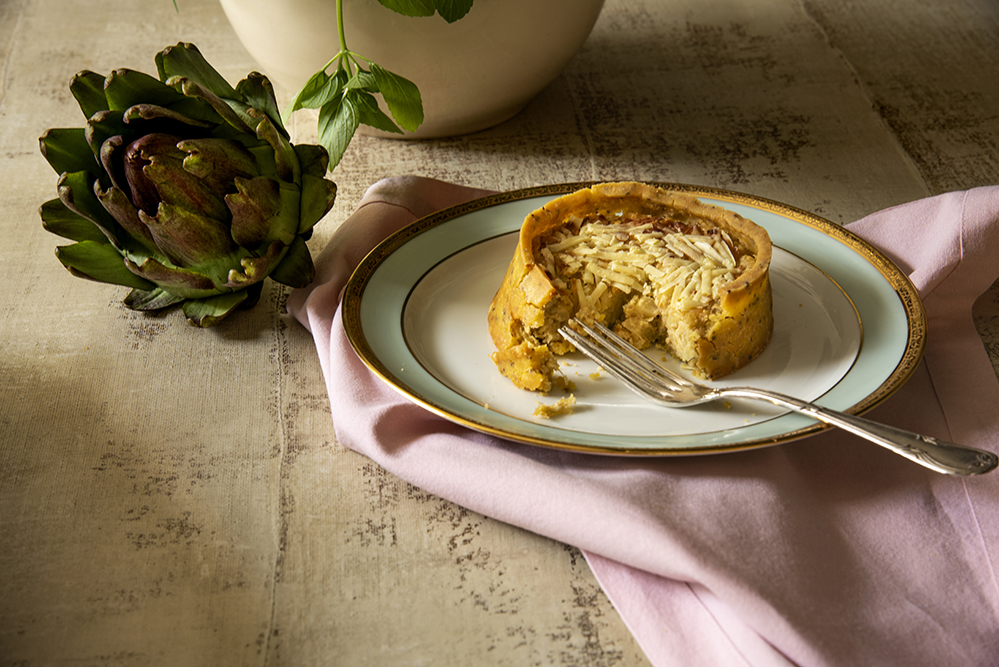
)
(659, 267)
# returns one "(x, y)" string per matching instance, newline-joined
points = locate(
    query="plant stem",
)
(339, 25)
(343, 57)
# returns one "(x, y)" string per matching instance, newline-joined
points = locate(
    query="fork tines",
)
(621, 359)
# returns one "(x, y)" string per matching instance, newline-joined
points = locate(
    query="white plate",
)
(849, 330)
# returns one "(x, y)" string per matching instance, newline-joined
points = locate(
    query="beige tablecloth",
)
(172, 496)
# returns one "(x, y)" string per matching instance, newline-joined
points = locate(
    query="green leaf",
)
(182, 282)
(154, 299)
(296, 269)
(338, 121)
(318, 195)
(363, 80)
(254, 205)
(285, 159)
(320, 90)
(208, 312)
(68, 150)
(410, 7)
(88, 89)
(370, 114)
(125, 87)
(256, 268)
(308, 92)
(156, 113)
(232, 111)
(100, 262)
(402, 97)
(197, 109)
(59, 220)
(178, 187)
(452, 10)
(217, 161)
(284, 224)
(192, 241)
(258, 93)
(76, 191)
(102, 126)
(311, 91)
(120, 206)
(312, 159)
(185, 60)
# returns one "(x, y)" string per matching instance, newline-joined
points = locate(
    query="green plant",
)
(345, 96)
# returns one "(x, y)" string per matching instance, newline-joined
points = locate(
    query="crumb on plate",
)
(562, 406)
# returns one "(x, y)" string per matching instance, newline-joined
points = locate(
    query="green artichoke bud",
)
(183, 188)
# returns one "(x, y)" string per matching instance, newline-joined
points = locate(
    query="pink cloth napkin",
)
(826, 551)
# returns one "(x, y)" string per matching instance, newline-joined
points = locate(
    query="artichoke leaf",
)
(312, 159)
(153, 299)
(197, 109)
(318, 195)
(208, 311)
(254, 206)
(61, 221)
(103, 126)
(297, 268)
(184, 283)
(132, 159)
(114, 162)
(99, 262)
(125, 88)
(193, 241)
(178, 187)
(117, 203)
(285, 158)
(66, 149)
(258, 93)
(186, 60)
(76, 191)
(285, 223)
(235, 117)
(154, 112)
(88, 89)
(255, 269)
(218, 162)
(264, 155)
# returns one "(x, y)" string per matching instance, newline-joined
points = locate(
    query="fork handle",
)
(940, 455)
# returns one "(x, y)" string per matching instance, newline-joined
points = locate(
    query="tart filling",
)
(659, 268)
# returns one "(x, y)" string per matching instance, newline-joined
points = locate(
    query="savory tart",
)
(658, 267)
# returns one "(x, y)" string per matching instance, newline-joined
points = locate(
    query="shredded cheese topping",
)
(678, 265)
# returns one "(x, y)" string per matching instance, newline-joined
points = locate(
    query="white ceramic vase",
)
(472, 74)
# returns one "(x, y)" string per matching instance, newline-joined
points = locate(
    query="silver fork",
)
(657, 384)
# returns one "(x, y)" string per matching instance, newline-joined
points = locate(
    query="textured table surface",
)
(172, 496)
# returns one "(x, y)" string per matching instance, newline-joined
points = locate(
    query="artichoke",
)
(183, 188)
